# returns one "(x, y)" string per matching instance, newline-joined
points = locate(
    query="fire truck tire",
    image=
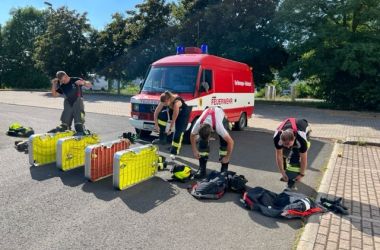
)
(143, 133)
(242, 123)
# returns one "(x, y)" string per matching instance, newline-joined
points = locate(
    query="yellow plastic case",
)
(43, 147)
(134, 165)
(71, 151)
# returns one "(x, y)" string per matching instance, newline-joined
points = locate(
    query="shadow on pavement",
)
(364, 217)
(72, 178)
(254, 150)
(141, 198)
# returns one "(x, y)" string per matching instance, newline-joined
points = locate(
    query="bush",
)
(260, 93)
(303, 90)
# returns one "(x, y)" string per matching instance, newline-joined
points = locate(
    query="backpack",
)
(16, 129)
(294, 126)
(213, 187)
(286, 204)
(292, 122)
(236, 183)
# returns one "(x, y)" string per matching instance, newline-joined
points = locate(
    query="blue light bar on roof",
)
(204, 49)
(180, 49)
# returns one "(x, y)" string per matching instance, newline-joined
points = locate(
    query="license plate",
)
(148, 126)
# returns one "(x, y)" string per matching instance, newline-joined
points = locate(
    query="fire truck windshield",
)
(177, 79)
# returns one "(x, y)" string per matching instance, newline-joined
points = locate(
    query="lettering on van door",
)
(243, 83)
(220, 101)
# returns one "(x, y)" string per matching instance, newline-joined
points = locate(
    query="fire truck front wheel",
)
(143, 133)
(242, 123)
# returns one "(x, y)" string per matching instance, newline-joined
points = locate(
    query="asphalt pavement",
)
(45, 208)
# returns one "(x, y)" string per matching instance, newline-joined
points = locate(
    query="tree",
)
(151, 36)
(2, 58)
(128, 45)
(239, 30)
(112, 43)
(66, 43)
(18, 38)
(338, 42)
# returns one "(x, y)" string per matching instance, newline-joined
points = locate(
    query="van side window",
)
(206, 77)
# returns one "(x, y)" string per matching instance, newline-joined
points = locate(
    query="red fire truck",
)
(202, 80)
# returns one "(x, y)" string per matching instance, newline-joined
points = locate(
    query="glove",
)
(335, 206)
(131, 137)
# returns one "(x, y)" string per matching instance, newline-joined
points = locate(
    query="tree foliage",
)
(65, 44)
(337, 41)
(111, 43)
(239, 30)
(18, 43)
(151, 36)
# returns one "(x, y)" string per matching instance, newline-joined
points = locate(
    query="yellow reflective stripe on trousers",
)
(222, 153)
(293, 168)
(203, 153)
(308, 144)
(178, 145)
(161, 122)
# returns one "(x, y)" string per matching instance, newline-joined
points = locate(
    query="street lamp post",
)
(48, 4)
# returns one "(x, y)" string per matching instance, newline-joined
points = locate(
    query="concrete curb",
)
(308, 238)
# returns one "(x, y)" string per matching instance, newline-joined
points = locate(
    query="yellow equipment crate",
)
(71, 151)
(43, 147)
(134, 165)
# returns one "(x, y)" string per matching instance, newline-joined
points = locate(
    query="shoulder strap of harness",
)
(210, 111)
(178, 98)
(292, 122)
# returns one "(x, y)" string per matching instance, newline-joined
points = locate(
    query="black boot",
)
(61, 128)
(162, 138)
(202, 168)
(291, 179)
(79, 128)
(224, 167)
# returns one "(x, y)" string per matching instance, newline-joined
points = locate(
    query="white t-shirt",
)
(219, 127)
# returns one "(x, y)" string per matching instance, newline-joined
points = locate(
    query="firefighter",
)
(171, 114)
(212, 119)
(73, 107)
(291, 141)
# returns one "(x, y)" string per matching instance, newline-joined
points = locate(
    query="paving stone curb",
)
(309, 235)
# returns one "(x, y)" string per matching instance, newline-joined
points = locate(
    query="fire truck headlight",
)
(135, 107)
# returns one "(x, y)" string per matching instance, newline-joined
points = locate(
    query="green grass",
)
(298, 236)
(362, 143)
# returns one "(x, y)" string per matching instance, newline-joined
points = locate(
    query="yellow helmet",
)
(181, 172)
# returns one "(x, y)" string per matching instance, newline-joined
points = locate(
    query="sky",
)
(99, 12)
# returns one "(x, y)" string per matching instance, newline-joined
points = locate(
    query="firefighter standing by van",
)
(172, 113)
(73, 107)
(291, 141)
(212, 119)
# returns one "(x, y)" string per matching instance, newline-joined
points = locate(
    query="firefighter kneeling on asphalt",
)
(212, 119)
(291, 141)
